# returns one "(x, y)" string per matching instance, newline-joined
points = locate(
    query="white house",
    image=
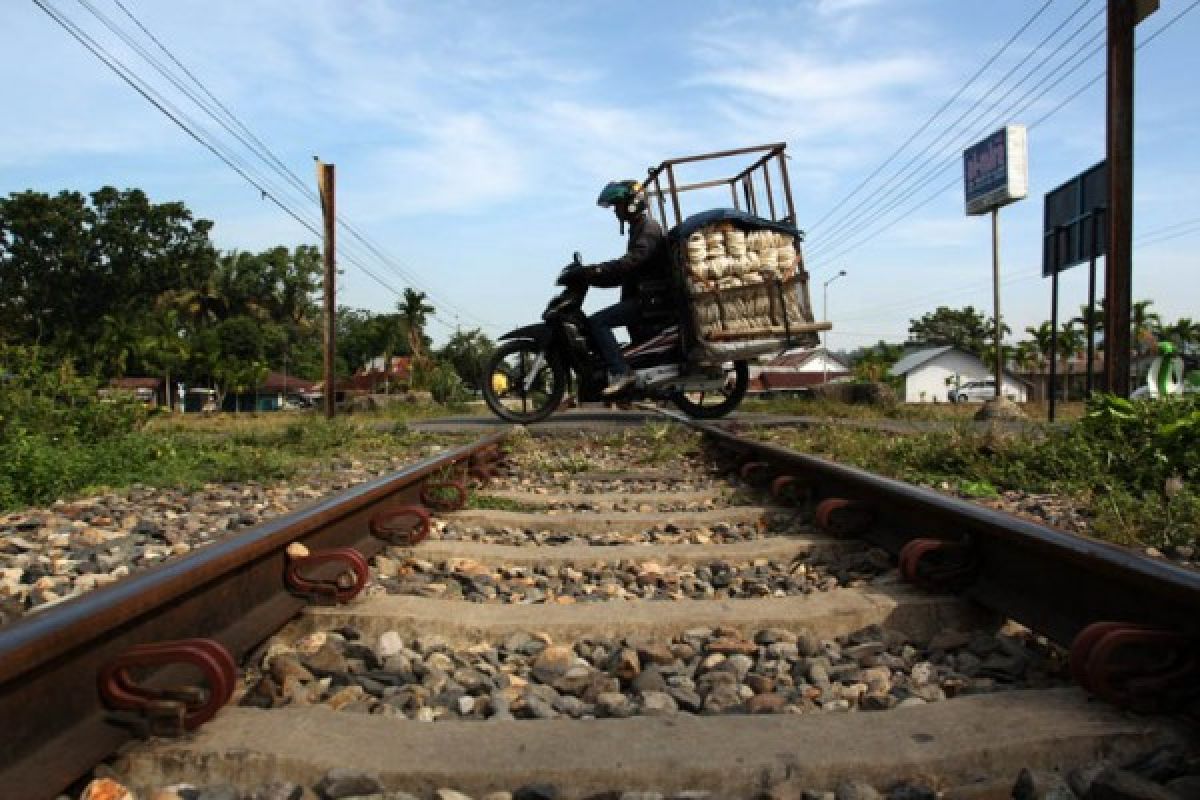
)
(797, 369)
(930, 374)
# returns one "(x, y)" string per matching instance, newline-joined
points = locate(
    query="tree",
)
(466, 352)
(965, 328)
(1144, 324)
(1184, 333)
(1042, 338)
(415, 311)
(872, 363)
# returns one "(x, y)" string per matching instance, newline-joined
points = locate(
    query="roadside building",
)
(796, 370)
(148, 390)
(932, 373)
(270, 395)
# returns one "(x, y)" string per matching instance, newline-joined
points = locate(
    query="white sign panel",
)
(996, 170)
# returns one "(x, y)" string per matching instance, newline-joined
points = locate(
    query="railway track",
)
(728, 620)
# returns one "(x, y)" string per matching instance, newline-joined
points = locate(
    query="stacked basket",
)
(743, 284)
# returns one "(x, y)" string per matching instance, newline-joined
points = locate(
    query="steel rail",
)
(1053, 582)
(55, 725)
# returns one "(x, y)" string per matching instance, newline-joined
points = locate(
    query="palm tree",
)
(1143, 325)
(415, 312)
(1026, 355)
(1096, 314)
(1042, 338)
(1071, 342)
(1184, 333)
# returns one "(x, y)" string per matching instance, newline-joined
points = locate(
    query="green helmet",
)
(626, 194)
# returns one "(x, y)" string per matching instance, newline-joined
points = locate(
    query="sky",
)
(471, 138)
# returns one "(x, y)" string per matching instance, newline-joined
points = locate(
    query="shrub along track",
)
(661, 630)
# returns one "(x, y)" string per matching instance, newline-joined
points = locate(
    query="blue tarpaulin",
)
(740, 218)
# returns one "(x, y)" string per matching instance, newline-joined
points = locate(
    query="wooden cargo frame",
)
(743, 186)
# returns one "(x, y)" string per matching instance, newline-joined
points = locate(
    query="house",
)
(930, 374)
(269, 395)
(374, 378)
(148, 390)
(797, 369)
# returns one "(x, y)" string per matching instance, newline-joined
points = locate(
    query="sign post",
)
(1073, 232)
(996, 173)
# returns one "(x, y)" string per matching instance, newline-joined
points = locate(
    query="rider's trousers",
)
(622, 314)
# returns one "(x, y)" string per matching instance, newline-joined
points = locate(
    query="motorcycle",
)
(527, 377)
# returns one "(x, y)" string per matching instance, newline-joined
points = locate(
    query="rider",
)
(645, 259)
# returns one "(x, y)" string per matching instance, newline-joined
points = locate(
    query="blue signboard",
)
(995, 170)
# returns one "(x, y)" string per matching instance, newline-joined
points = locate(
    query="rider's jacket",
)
(646, 259)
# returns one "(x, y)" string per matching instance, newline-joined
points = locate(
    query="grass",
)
(1123, 504)
(190, 452)
(832, 409)
(490, 502)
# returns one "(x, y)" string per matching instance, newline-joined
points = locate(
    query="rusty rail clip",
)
(179, 708)
(939, 565)
(841, 517)
(1136, 666)
(381, 526)
(335, 589)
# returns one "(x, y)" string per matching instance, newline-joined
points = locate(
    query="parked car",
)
(973, 392)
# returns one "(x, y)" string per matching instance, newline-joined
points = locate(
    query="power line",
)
(262, 151)
(846, 227)
(914, 164)
(171, 112)
(267, 188)
(847, 243)
(941, 190)
(932, 118)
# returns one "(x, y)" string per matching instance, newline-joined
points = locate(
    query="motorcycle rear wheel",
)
(711, 405)
(510, 391)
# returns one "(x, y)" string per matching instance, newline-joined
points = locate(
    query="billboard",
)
(996, 170)
(1073, 229)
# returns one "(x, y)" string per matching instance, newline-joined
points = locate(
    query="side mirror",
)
(578, 259)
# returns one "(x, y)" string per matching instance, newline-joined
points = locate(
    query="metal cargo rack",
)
(743, 186)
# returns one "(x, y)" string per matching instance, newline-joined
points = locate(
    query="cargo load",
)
(743, 280)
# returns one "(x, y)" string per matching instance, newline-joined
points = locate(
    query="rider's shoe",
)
(618, 383)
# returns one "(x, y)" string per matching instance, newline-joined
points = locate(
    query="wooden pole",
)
(1118, 272)
(325, 182)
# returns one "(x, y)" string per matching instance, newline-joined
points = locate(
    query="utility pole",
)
(325, 185)
(996, 302)
(825, 315)
(1123, 16)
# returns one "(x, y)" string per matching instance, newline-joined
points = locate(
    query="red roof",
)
(278, 382)
(768, 380)
(136, 383)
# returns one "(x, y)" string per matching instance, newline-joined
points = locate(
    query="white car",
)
(973, 392)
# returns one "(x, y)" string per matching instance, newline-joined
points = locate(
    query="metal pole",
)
(1058, 259)
(1118, 272)
(825, 334)
(1053, 344)
(326, 184)
(825, 315)
(996, 301)
(1097, 220)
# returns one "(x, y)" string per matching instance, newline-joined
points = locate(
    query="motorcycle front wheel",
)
(710, 405)
(522, 383)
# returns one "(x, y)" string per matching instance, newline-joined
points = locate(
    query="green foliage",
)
(1144, 443)
(965, 328)
(467, 351)
(444, 384)
(490, 502)
(117, 285)
(1135, 464)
